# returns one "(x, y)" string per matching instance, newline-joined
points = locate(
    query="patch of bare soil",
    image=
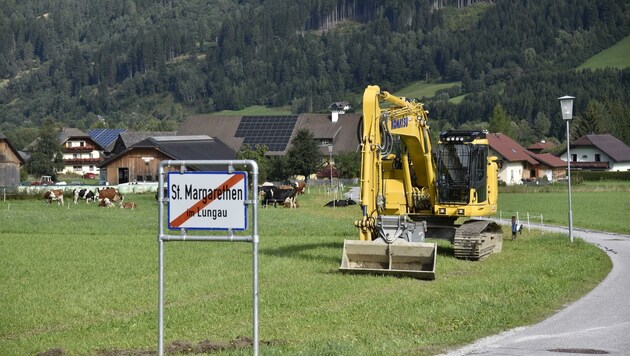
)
(176, 347)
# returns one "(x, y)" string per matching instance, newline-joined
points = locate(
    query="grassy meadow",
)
(421, 89)
(82, 280)
(601, 206)
(617, 56)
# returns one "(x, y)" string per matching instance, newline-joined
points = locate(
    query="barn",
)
(10, 162)
(140, 162)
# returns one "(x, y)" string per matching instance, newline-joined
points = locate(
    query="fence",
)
(508, 217)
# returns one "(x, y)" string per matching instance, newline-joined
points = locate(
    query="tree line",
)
(146, 65)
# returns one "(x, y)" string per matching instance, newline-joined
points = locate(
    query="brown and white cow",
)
(128, 205)
(110, 193)
(54, 195)
(299, 186)
(105, 203)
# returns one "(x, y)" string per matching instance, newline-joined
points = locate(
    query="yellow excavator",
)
(410, 193)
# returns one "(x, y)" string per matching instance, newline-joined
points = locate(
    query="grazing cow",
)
(340, 203)
(86, 194)
(54, 195)
(299, 186)
(110, 193)
(274, 195)
(105, 203)
(128, 205)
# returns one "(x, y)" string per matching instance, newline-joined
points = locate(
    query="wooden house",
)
(10, 162)
(140, 162)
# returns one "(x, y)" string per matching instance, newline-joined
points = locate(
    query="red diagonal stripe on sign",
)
(201, 204)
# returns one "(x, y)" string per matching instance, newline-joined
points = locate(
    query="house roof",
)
(64, 134)
(608, 144)
(235, 131)
(105, 137)
(509, 149)
(549, 159)
(15, 152)
(539, 146)
(130, 138)
(196, 147)
(67, 133)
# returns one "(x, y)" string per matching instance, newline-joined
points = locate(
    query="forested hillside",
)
(147, 64)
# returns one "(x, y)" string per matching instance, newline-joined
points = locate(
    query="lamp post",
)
(566, 106)
(330, 149)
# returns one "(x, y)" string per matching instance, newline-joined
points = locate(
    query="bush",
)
(592, 176)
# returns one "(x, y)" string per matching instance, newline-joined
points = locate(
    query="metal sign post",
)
(207, 201)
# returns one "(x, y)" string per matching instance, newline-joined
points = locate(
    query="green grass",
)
(421, 89)
(617, 56)
(599, 206)
(84, 279)
(456, 100)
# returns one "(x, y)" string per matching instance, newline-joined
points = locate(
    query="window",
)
(598, 157)
(82, 144)
(532, 173)
(573, 158)
(77, 168)
(149, 178)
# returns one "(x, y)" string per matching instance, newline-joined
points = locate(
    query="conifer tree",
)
(46, 157)
(304, 155)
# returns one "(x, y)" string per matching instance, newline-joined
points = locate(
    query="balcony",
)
(81, 161)
(87, 148)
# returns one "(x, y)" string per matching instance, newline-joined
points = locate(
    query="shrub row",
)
(591, 176)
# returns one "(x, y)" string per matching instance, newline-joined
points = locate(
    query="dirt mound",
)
(175, 347)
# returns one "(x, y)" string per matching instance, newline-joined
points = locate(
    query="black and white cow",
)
(86, 194)
(340, 203)
(274, 195)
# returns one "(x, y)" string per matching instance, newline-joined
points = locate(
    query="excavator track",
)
(476, 239)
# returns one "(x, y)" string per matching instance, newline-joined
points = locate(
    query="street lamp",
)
(330, 148)
(566, 106)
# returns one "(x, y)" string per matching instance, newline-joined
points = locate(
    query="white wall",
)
(619, 166)
(511, 173)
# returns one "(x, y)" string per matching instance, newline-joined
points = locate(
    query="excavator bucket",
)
(402, 258)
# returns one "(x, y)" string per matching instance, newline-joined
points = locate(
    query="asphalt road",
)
(599, 323)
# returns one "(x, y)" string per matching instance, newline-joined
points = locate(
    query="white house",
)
(599, 152)
(515, 164)
(81, 154)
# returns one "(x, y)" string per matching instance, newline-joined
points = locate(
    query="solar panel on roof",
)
(105, 137)
(271, 131)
